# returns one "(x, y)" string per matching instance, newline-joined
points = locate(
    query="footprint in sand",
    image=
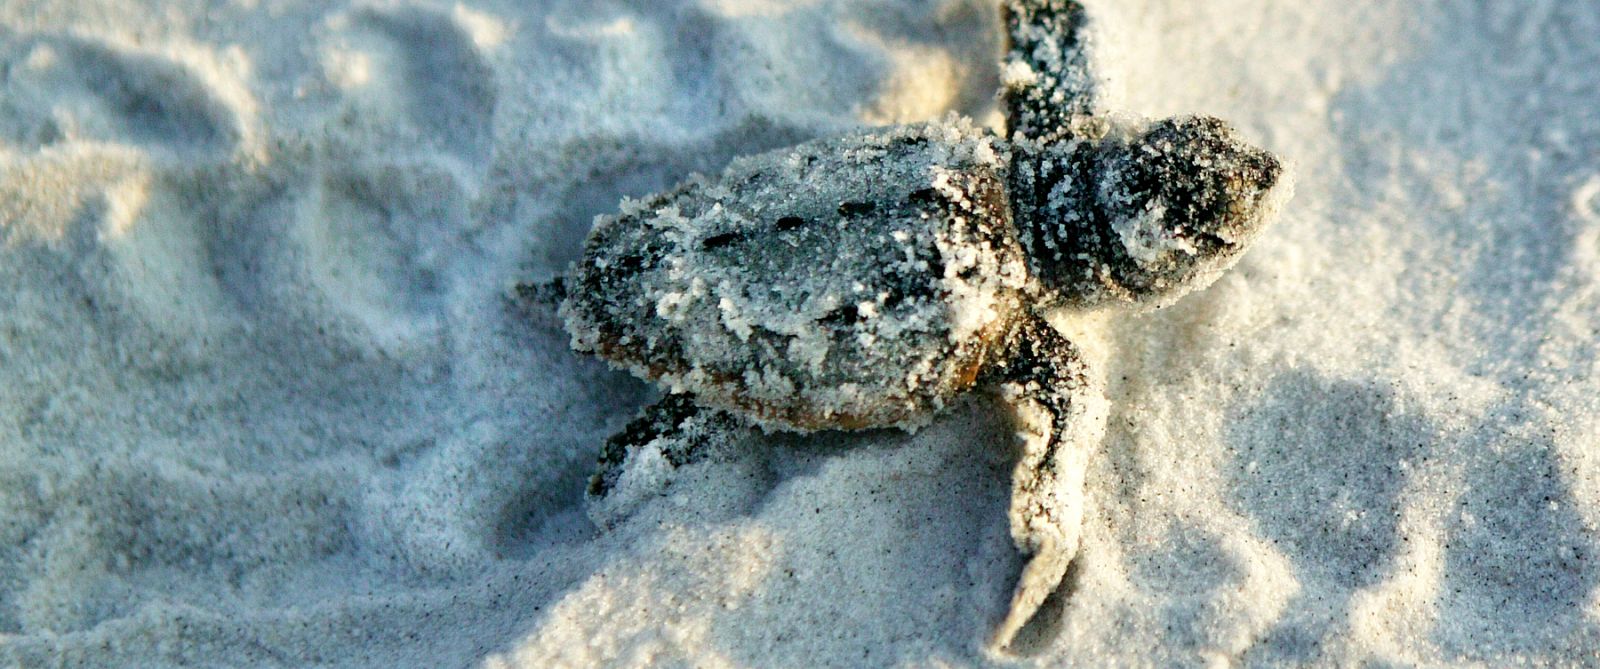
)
(129, 532)
(61, 89)
(377, 240)
(416, 74)
(357, 251)
(107, 144)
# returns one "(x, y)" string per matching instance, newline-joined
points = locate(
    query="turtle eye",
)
(790, 222)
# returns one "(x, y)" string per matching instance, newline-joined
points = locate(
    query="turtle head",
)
(1142, 213)
(1180, 203)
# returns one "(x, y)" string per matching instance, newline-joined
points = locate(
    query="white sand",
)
(263, 403)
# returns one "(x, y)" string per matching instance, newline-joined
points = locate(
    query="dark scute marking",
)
(633, 263)
(790, 222)
(923, 196)
(844, 316)
(913, 288)
(719, 241)
(856, 208)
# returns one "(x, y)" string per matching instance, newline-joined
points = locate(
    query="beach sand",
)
(265, 401)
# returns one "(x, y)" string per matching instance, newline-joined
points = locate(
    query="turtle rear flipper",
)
(1046, 71)
(641, 462)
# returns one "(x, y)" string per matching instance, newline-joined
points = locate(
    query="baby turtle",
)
(869, 280)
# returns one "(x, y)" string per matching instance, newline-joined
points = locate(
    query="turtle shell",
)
(851, 282)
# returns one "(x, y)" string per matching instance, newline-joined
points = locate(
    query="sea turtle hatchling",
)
(869, 280)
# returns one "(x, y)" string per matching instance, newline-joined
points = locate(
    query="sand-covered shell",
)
(844, 283)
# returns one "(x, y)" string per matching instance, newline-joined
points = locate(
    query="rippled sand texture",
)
(264, 400)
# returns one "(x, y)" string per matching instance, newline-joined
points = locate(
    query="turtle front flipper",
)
(1046, 70)
(1059, 414)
